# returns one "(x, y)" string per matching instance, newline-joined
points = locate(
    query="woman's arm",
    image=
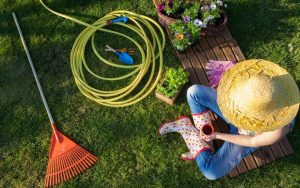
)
(262, 139)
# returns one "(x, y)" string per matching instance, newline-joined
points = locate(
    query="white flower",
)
(213, 6)
(225, 5)
(219, 2)
(198, 22)
(204, 24)
(210, 17)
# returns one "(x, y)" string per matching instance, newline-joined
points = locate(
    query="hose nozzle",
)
(118, 19)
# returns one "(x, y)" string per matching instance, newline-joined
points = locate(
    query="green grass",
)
(131, 154)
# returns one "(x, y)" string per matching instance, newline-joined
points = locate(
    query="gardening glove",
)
(215, 70)
(190, 134)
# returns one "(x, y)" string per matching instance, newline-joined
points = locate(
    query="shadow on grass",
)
(253, 21)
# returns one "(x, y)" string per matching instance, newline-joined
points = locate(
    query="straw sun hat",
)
(258, 95)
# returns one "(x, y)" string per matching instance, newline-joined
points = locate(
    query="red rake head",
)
(66, 160)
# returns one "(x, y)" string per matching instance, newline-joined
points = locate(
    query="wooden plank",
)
(277, 151)
(268, 155)
(227, 35)
(259, 157)
(241, 167)
(216, 48)
(233, 172)
(250, 162)
(207, 49)
(286, 146)
(188, 67)
(236, 50)
(202, 58)
(226, 48)
(197, 66)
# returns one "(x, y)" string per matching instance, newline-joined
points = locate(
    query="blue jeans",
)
(229, 155)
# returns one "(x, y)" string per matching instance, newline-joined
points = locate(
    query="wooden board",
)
(224, 47)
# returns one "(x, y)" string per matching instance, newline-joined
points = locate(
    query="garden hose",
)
(152, 55)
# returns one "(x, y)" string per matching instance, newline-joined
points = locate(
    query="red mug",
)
(207, 129)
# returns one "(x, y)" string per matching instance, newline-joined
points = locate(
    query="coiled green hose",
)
(150, 57)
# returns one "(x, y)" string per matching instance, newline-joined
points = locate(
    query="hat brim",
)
(269, 121)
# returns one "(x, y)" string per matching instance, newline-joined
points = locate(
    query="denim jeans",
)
(214, 166)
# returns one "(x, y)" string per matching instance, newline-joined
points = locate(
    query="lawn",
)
(125, 139)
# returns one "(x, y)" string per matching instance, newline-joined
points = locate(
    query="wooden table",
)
(224, 47)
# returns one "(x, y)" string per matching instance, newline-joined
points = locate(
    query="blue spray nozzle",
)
(120, 19)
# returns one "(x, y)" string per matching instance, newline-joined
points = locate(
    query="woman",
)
(258, 99)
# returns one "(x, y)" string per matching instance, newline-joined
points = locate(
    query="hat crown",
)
(259, 94)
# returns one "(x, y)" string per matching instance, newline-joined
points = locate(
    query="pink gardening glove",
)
(215, 70)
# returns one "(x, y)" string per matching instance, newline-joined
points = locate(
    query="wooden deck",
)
(224, 47)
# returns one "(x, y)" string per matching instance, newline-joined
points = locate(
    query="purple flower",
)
(204, 25)
(206, 8)
(170, 1)
(198, 22)
(187, 35)
(161, 8)
(186, 19)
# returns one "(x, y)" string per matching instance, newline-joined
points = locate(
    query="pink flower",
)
(161, 8)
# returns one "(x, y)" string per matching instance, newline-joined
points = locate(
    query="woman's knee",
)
(211, 174)
(195, 90)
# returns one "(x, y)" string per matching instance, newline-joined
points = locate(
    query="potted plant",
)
(172, 85)
(187, 31)
(168, 11)
(214, 16)
(209, 12)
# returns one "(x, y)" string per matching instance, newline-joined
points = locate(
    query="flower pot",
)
(164, 20)
(167, 99)
(214, 30)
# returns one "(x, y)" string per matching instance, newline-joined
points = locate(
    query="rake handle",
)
(53, 125)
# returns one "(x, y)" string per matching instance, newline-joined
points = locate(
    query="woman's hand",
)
(210, 137)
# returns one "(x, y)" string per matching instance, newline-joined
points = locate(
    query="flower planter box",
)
(167, 99)
(164, 20)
